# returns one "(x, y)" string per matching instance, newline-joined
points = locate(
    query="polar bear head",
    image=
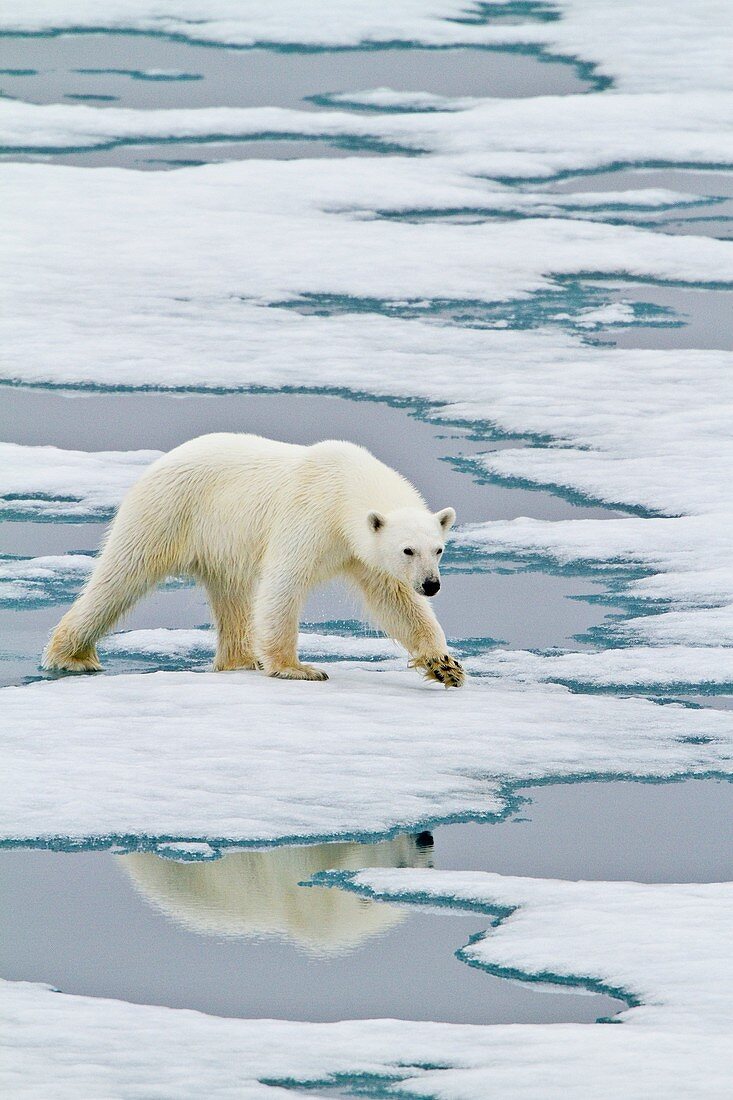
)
(407, 543)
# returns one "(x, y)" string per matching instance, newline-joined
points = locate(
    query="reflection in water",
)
(258, 893)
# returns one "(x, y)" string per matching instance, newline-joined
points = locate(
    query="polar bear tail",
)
(126, 570)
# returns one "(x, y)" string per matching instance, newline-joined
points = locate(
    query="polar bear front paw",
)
(298, 672)
(444, 669)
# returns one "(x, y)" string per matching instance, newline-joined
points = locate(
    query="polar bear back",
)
(229, 494)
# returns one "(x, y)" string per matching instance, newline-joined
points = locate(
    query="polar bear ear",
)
(446, 518)
(376, 520)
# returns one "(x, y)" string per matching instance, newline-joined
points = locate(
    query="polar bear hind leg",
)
(115, 585)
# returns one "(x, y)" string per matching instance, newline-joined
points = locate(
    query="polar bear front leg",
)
(409, 619)
(280, 596)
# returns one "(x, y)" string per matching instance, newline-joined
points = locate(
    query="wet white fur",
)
(259, 523)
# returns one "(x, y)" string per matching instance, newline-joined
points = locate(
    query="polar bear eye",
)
(408, 551)
(439, 551)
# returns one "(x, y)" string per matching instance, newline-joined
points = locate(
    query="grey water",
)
(705, 316)
(149, 71)
(239, 937)
(407, 438)
(707, 219)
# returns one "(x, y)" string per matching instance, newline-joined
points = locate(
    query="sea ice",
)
(631, 666)
(506, 138)
(183, 643)
(206, 756)
(47, 579)
(194, 279)
(636, 666)
(51, 483)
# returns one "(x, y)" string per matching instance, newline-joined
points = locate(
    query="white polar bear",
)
(259, 523)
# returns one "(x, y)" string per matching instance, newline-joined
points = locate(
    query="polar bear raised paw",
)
(444, 669)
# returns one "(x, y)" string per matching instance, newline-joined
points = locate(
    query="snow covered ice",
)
(83, 760)
(47, 482)
(445, 272)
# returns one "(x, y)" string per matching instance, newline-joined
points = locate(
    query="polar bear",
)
(259, 523)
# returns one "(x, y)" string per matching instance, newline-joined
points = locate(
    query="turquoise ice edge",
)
(614, 166)
(339, 141)
(345, 880)
(561, 306)
(472, 466)
(509, 792)
(198, 659)
(490, 211)
(142, 74)
(374, 1086)
(481, 429)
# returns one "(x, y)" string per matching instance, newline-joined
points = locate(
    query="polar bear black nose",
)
(430, 586)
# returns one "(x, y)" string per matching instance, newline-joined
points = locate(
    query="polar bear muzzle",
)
(430, 586)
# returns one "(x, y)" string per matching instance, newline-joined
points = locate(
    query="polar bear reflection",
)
(257, 893)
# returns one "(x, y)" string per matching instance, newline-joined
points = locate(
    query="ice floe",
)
(51, 483)
(299, 238)
(664, 666)
(522, 138)
(163, 642)
(687, 559)
(47, 579)
(625, 936)
(210, 756)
